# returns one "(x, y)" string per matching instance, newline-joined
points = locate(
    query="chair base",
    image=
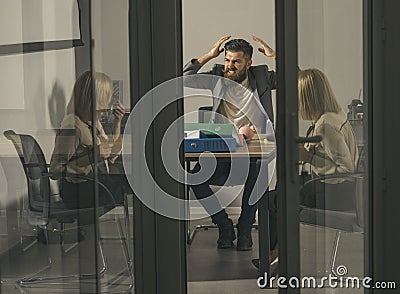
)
(35, 281)
(70, 236)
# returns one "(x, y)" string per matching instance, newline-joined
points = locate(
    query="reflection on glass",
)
(52, 234)
(332, 191)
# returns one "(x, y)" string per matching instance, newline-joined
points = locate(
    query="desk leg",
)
(263, 237)
(189, 234)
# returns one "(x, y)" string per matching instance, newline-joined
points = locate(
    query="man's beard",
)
(238, 76)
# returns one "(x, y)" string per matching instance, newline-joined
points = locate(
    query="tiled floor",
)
(80, 259)
(316, 253)
(209, 270)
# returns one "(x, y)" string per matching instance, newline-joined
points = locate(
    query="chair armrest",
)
(335, 176)
(45, 203)
(75, 176)
(35, 164)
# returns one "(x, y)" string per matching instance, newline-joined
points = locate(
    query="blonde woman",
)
(336, 153)
(81, 137)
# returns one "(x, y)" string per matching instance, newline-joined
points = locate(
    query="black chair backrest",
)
(205, 114)
(36, 171)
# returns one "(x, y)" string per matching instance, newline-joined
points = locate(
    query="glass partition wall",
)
(231, 269)
(332, 105)
(330, 43)
(110, 57)
(66, 209)
(66, 221)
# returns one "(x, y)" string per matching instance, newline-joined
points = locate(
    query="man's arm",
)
(264, 49)
(194, 65)
(66, 144)
(269, 52)
(115, 138)
(215, 51)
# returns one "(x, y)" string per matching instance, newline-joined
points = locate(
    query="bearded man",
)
(247, 103)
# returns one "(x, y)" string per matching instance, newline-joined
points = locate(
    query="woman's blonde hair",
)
(316, 96)
(81, 102)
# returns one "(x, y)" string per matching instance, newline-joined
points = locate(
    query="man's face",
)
(236, 66)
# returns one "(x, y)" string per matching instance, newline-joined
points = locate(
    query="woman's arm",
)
(111, 148)
(336, 150)
(305, 155)
(66, 144)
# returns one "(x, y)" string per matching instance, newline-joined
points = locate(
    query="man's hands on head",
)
(215, 51)
(265, 49)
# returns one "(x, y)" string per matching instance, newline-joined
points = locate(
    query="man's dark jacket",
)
(260, 78)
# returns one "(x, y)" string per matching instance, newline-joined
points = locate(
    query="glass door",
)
(64, 214)
(333, 185)
(214, 264)
(286, 134)
(322, 139)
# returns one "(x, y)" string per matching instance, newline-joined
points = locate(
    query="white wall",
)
(111, 41)
(35, 86)
(43, 83)
(206, 21)
(330, 38)
(343, 48)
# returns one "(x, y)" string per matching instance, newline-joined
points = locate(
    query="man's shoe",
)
(226, 234)
(244, 242)
(256, 262)
(273, 254)
(273, 257)
(274, 267)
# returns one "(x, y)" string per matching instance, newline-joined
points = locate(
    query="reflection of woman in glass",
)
(336, 153)
(80, 136)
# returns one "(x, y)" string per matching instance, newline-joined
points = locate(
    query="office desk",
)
(258, 149)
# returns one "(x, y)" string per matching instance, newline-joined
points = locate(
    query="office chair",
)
(42, 208)
(204, 114)
(25, 241)
(342, 221)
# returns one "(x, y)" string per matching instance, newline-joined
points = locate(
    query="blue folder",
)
(210, 144)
